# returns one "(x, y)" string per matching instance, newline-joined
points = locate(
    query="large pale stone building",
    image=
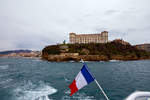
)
(89, 38)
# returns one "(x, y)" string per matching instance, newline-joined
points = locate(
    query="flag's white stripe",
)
(80, 81)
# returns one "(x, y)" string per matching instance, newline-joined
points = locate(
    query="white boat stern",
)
(139, 95)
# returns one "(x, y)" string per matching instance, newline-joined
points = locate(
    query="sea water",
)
(34, 79)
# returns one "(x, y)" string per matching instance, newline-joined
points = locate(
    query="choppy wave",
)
(77, 96)
(33, 91)
(4, 66)
(36, 60)
(66, 79)
(5, 81)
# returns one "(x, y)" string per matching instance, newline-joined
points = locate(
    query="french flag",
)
(82, 79)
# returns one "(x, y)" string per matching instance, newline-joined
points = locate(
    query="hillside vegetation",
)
(112, 50)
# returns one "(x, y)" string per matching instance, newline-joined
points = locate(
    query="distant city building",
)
(121, 41)
(89, 38)
(144, 47)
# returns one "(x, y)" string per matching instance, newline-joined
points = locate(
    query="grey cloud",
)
(35, 23)
(110, 12)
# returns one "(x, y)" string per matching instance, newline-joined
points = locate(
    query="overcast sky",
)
(33, 24)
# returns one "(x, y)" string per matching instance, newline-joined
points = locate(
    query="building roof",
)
(89, 34)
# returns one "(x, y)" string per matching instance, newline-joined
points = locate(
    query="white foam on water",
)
(30, 91)
(67, 92)
(66, 79)
(77, 96)
(4, 67)
(101, 61)
(5, 81)
(114, 60)
(71, 61)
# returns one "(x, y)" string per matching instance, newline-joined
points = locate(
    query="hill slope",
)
(15, 51)
(109, 51)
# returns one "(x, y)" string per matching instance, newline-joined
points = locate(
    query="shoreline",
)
(40, 58)
(20, 57)
(60, 58)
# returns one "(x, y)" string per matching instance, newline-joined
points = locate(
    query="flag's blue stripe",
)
(88, 77)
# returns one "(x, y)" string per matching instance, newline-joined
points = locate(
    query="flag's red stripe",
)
(73, 87)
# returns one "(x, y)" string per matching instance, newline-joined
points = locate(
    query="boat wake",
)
(32, 91)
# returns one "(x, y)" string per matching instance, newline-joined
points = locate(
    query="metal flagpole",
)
(101, 89)
(98, 85)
